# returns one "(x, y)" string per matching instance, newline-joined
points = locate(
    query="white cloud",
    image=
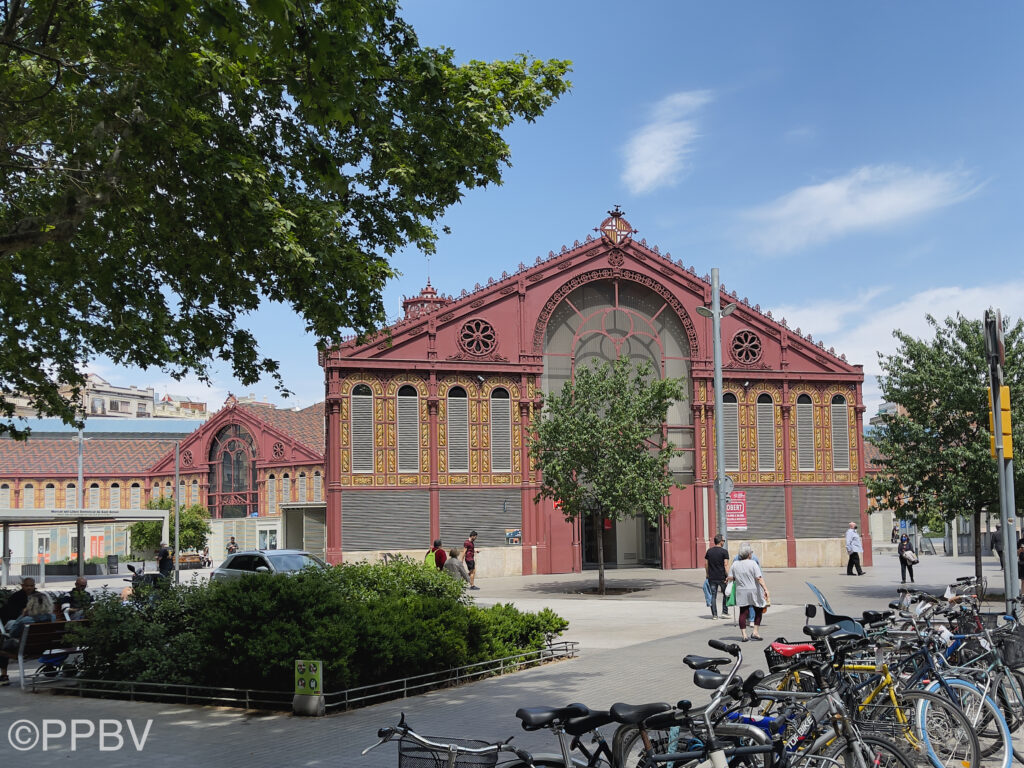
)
(656, 153)
(826, 316)
(869, 197)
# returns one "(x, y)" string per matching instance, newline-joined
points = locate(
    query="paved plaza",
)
(630, 650)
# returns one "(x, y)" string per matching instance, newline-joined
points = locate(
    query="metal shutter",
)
(286, 489)
(272, 494)
(385, 520)
(314, 532)
(5, 497)
(489, 512)
(501, 434)
(805, 434)
(731, 434)
(182, 493)
(408, 434)
(115, 496)
(824, 511)
(362, 433)
(135, 496)
(458, 434)
(765, 434)
(840, 434)
(766, 515)
(317, 487)
(302, 488)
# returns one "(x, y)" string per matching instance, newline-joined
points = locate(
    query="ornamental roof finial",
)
(615, 229)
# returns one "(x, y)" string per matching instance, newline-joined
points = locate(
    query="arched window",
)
(194, 498)
(115, 495)
(765, 433)
(28, 496)
(168, 489)
(135, 496)
(458, 430)
(49, 496)
(232, 480)
(362, 429)
(286, 488)
(317, 487)
(94, 496)
(731, 431)
(301, 489)
(501, 431)
(5, 496)
(272, 494)
(182, 498)
(840, 434)
(70, 496)
(805, 433)
(408, 430)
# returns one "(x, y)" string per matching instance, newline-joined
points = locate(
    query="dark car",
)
(266, 561)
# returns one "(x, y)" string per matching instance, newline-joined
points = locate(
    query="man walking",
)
(470, 546)
(997, 544)
(855, 548)
(716, 566)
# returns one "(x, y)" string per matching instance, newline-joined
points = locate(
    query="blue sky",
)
(849, 166)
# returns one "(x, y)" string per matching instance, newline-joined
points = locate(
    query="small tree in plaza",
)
(193, 531)
(935, 444)
(600, 448)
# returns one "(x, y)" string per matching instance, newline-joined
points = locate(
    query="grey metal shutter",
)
(317, 486)
(272, 494)
(314, 532)
(385, 520)
(49, 497)
(408, 433)
(28, 497)
(302, 487)
(362, 433)
(805, 434)
(458, 434)
(824, 511)
(135, 497)
(766, 515)
(501, 434)
(488, 511)
(182, 493)
(195, 492)
(765, 434)
(115, 496)
(5, 496)
(840, 434)
(731, 433)
(286, 489)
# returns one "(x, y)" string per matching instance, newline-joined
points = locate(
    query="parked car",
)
(266, 561)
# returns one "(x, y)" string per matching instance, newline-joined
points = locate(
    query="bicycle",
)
(415, 751)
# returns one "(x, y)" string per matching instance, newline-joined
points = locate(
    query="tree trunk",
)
(600, 555)
(977, 546)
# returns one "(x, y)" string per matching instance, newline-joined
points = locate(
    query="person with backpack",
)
(907, 558)
(436, 556)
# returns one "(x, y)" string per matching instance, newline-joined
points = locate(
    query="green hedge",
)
(368, 622)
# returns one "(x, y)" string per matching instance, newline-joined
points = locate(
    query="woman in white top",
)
(751, 591)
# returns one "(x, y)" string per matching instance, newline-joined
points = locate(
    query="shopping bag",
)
(708, 599)
(730, 593)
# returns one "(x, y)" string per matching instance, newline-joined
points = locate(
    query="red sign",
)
(736, 511)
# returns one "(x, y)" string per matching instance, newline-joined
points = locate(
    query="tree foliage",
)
(192, 533)
(167, 167)
(937, 459)
(599, 445)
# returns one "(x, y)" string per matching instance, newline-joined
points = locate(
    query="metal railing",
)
(260, 699)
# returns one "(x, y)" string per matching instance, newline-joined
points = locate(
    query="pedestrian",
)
(855, 549)
(997, 544)
(436, 556)
(753, 556)
(751, 592)
(232, 546)
(908, 557)
(716, 568)
(79, 598)
(164, 561)
(1020, 560)
(16, 603)
(455, 567)
(895, 535)
(470, 546)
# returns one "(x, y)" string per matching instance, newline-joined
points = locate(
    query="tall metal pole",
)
(716, 332)
(81, 505)
(177, 507)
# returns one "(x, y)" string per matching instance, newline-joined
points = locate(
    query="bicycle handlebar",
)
(731, 648)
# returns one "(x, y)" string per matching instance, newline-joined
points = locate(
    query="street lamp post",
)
(716, 313)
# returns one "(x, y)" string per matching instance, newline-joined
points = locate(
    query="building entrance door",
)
(627, 543)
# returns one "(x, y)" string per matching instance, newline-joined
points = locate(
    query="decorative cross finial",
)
(615, 229)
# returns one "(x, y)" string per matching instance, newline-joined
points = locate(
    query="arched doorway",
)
(604, 320)
(232, 477)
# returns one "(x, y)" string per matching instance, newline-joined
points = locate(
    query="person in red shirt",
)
(436, 555)
(470, 545)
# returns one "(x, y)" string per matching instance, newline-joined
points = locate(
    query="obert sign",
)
(1004, 423)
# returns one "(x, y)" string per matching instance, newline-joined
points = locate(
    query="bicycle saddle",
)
(705, 678)
(636, 713)
(671, 719)
(540, 717)
(874, 617)
(577, 726)
(693, 661)
(818, 632)
(789, 650)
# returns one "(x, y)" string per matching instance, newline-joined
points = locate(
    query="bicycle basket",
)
(991, 620)
(414, 755)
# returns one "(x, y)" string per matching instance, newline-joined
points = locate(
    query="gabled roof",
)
(53, 458)
(305, 426)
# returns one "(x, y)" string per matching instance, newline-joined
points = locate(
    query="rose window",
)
(278, 450)
(186, 458)
(746, 347)
(477, 337)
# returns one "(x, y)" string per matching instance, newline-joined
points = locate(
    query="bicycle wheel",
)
(794, 679)
(1010, 696)
(986, 720)
(678, 739)
(872, 750)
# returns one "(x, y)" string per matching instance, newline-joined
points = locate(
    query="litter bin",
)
(111, 563)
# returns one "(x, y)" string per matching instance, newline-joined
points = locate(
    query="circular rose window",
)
(278, 450)
(746, 347)
(186, 458)
(477, 337)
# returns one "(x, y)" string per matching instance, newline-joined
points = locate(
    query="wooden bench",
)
(38, 638)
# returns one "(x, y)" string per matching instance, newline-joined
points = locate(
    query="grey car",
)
(266, 561)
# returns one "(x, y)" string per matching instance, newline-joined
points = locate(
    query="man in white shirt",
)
(855, 548)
